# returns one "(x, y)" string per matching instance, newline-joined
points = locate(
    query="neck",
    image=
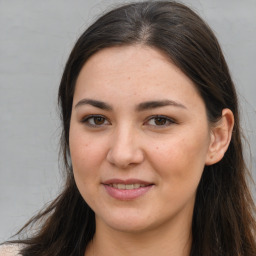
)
(174, 241)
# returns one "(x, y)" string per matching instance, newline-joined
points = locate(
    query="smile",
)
(127, 189)
(127, 186)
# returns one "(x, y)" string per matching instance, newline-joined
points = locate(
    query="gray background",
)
(35, 40)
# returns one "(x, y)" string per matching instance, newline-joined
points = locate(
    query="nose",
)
(125, 150)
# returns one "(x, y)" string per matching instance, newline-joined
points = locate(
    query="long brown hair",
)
(223, 220)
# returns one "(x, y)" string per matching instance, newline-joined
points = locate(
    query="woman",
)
(151, 141)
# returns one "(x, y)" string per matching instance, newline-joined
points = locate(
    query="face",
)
(139, 139)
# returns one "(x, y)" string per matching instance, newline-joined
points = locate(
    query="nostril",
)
(125, 158)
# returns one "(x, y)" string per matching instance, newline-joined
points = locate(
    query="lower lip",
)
(127, 194)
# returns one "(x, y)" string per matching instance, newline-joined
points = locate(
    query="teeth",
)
(127, 186)
(137, 185)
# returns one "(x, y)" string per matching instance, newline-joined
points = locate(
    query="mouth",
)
(126, 189)
(127, 186)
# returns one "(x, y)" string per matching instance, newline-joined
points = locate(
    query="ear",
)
(221, 134)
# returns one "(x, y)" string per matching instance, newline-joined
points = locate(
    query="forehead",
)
(129, 71)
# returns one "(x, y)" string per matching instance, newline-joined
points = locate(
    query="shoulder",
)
(10, 250)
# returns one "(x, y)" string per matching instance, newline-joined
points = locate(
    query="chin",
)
(130, 223)
(130, 227)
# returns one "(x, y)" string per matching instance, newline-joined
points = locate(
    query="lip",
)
(126, 182)
(126, 194)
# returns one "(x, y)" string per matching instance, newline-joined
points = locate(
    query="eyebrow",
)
(140, 107)
(95, 103)
(156, 104)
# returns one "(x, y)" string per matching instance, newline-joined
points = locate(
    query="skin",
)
(127, 141)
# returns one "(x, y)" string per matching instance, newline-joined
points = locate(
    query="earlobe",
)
(221, 134)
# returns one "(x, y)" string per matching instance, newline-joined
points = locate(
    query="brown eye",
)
(160, 121)
(95, 121)
(98, 120)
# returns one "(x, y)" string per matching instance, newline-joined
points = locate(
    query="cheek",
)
(85, 156)
(85, 151)
(181, 158)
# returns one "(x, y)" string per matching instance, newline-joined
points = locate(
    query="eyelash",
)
(167, 121)
(87, 119)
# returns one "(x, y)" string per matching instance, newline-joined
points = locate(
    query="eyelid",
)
(170, 121)
(88, 117)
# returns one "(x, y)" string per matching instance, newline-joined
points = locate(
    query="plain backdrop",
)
(35, 40)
